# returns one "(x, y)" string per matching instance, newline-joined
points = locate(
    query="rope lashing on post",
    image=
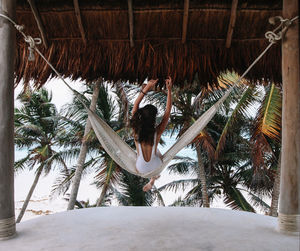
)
(272, 36)
(7, 228)
(289, 223)
(28, 39)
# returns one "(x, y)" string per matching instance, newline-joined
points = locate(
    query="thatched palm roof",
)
(97, 44)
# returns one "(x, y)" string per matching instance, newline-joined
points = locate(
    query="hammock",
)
(126, 157)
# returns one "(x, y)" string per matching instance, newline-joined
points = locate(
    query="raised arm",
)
(151, 83)
(163, 124)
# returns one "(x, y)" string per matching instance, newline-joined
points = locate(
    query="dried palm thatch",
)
(158, 50)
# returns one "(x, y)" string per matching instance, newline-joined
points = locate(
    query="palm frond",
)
(207, 143)
(159, 197)
(257, 201)
(29, 129)
(178, 184)
(132, 187)
(239, 112)
(183, 165)
(62, 183)
(236, 201)
(109, 174)
(269, 116)
(19, 165)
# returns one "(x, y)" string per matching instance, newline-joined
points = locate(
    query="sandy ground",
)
(144, 228)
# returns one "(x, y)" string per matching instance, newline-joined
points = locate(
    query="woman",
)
(146, 134)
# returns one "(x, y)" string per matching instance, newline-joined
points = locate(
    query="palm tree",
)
(189, 105)
(266, 141)
(79, 135)
(83, 152)
(38, 130)
(228, 177)
(264, 131)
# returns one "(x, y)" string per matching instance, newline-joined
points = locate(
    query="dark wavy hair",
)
(143, 124)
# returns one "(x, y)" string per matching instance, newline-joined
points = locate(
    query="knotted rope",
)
(272, 36)
(28, 39)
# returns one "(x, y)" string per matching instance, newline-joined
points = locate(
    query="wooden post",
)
(7, 55)
(289, 202)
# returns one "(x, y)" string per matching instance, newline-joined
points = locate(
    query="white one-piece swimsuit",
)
(148, 166)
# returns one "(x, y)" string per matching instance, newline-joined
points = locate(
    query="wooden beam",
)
(221, 10)
(231, 22)
(157, 38)
(79, 20)
(130, 19)
(7, 62)
(39, 22)
(185, 20)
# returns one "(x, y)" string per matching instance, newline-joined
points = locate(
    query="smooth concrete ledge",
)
(148, 228)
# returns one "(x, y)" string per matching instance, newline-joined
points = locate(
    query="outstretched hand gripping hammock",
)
(122, 153)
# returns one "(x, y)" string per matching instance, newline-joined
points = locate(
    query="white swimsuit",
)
(147, 166)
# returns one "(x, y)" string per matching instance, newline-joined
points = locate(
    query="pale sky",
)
(61, 94)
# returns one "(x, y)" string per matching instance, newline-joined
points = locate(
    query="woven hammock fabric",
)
(126, 157)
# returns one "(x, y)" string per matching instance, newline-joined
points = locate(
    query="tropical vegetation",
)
(237, 153)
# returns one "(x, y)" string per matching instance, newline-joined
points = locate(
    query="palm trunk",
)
(125, 103)
(25, 204)
(201, 176)
(275, 192)
(102, 195)
(83, 152)
(65, 167)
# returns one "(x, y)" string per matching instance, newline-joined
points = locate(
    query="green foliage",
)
(231, 172)
(239, 150)
(38, 130)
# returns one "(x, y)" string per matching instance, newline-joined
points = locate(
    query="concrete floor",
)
(148, 228)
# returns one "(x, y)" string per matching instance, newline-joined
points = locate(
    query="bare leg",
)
(150, 184)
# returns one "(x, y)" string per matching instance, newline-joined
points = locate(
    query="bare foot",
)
(147, 187)
(150, 184)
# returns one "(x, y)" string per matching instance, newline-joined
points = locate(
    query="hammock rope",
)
(114, 145)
